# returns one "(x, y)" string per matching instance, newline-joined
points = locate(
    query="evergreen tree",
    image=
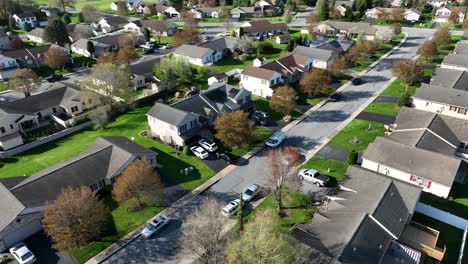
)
(291, 45)
(56, 32)
(332, 4)
(11, 23)
(90, 47)
(147, 34)
(361, 6)
(240, 214)
(322, 10)
(66, 19)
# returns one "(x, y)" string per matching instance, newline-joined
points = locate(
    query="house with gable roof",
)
(198, 55)
(179, 123)
(346, 29)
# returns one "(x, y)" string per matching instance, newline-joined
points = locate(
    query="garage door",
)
(22, 232)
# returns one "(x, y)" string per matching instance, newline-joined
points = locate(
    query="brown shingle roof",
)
(264, 74)
(264, 26)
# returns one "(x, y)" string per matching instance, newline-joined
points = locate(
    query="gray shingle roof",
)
(431, 165)
(456, 60)
(314, 53)
(144, 67)
(10, 207)
(170, 114)
(442, 95)
(191, 51)
(345, 230)
(450, 78)
(352, 27)
(461, 48)
(221, 44)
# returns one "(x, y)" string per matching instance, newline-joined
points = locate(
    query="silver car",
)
(250, 193)
(154, 226)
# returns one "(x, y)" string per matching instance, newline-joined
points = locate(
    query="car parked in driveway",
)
(154, 226)
(231, 208)
(22, 254)
(275, 140)
(209, 145)
(250, 193)
(228, 157)
(199, 152)
(314, 177)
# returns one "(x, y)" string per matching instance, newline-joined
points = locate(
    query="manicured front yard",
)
(337, 168)
(449, 236)
(262, 104)
(296, 210)
(356, 135)
(83, 61)
(389, 109)
(123, 223)
(397, 89)
(129, 125)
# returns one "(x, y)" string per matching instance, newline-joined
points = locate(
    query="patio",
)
(424, 239)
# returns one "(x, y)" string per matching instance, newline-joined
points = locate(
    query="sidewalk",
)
(200, 189)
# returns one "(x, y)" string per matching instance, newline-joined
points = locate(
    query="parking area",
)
(41, 246)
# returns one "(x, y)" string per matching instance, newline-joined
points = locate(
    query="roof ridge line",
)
(79, 159)
(441, 138)
(383, 227)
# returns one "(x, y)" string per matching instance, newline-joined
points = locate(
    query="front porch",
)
(424, 239)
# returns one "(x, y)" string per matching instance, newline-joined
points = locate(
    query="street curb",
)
(112, 249)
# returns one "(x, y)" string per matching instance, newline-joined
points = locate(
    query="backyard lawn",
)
(129, 125)
(389, 109)
(337, 168)
(3, 86)
(457, 203)
(123, 223)
(356, 135)
(449, 236)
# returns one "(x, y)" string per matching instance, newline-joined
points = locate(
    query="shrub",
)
(405, 100)
(186, 150)
(264, 47)
(352, 157)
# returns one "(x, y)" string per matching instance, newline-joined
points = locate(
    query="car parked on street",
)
(334, 97)
(155, 225)
(199, 152)
(275, 140)
(22, 254)
(209, 145)
(250, 193)
(231, 208)
(357, 81)
(54, 77)
(168, 46)
(228, 157)
(314, 177)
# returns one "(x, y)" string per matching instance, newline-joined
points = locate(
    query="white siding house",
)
(260, 82)
(198, 55)
(8, 67)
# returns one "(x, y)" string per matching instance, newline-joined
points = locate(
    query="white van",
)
(275, 140)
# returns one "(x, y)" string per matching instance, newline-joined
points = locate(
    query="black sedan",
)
(54, 77)
(334, 97)
(228, 157)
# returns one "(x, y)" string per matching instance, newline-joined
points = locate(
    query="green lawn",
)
(262, 104)
(425, 20)
(129, 125)
(123, 223)
(457, 203)
(100, 5)
(449, 236)
(389, 109)
(451, 47)
(357, 129)
(397, 89)
(83, 61)
(297, 210)
(3, 86)
(337, 168)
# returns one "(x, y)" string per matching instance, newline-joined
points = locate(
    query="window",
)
(421, 181)
(272, 82)
(74, 109)
(241, 101)
(2, 130)
(247, 98)
(453, 108)
(193, 123)
(462, 111)
(54, 110)
(264, 82)
(90, 101)
(183, 128)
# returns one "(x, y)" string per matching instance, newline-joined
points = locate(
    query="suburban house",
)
(346, 29)
(225, 46)
(411, 15)
(111, 23)
(23, 199)
(142, 72)
(321, 58)
(337, 46)
(369, 223)
(25, 20)
(220, 78)
(442, 14)
(28, 113)
(441, 100)
(200, 13)
(26, 57)
(283, 39)
(49, 10)
(341, 6)
(81, 47)
(437, 3)
(269, 3)
(168, 11)
(77, 31)
(448, 78)
(197, 55)
(36, 35)
(179, 123)
(424, 149)
(242, 12)
(131, 4)
(159, 27)
(455, 62)
(261, 29)
(262, 81)
(259, 61)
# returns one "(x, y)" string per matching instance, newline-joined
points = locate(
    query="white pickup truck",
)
(314, 177)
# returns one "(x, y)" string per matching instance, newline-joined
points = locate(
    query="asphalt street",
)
(164, 247)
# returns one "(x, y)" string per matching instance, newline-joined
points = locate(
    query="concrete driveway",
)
(305, 136)
(41, 246)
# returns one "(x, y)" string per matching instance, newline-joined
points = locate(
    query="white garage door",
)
(22, 232)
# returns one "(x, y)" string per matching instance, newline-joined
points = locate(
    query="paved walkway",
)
(374, 117)
(386, 99)
(334, 153)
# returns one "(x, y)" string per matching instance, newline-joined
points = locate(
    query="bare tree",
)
(89, 13)
(160, 28)
(125, 40)
(442, 36)
(189, 35)
(126, 54)
(263, 242)
(62, 4)
(315, 82)
(281, 172)
(24, 80)
(75, 218)
(408, 71)
(138, 179)
(283, 100)
(100, 118)
(202, 231)
(56, 57)
(428, 50)
(122, 9)
(312, 21)
(107, 82)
